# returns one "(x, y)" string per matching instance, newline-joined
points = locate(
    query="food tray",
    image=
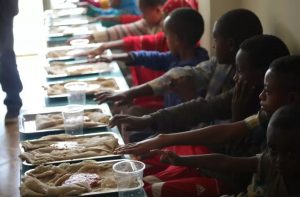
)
(74, 20)
(61, 144)
(60, 70)
(108, 192)
(65, 12)
(73, 30)
(69, 53)
(57, 90)
(29, 129)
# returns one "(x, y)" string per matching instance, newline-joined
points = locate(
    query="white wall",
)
(28, 28)
(279, 17)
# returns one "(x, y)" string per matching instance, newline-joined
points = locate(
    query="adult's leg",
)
(9, 75)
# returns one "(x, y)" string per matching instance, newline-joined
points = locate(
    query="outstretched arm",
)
(212, 135)
(214, 162)
(117, 44)
(123, 97)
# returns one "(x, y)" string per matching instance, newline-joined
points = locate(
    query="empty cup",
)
(129, 177)
(76, 92)
(73, 119)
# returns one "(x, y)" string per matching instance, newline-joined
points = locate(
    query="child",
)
(216, 74)
(252, 61)
(150, 24)
(156, 42)
(182, 44)
(277, 169)
(282, 86)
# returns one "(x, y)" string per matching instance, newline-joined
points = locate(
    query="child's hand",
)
(131, 122)
(184, 87)
(243, 100)
(99, 51)
(109, 96)
(105, 58)
(170, 158)
(139, 148)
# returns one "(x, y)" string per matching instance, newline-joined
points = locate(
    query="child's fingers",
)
(117, 120)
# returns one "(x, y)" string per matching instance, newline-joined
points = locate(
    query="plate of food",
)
(55, 149)
(87, 178)
(57, 89)
(65, 12)
(74, 20)
(63, 69)
(48, 121)
(73, 30)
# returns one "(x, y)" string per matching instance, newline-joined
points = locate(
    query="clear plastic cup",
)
(129, 177)
(76, 92)
(73, 119)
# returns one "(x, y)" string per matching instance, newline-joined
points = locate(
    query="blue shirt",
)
(164, 61)
(126, 7)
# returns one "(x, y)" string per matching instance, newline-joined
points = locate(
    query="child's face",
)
(172, 39)
(284, 152)
(245, 71)
(153, 15)
(222, 47)
(274, 95)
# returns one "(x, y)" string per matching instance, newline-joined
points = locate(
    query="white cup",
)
(73, 119)
(129, 177)
(76, 92)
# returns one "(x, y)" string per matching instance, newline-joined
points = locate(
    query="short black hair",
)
(288, 69)
(152, 3)
(239, 24)
(286, 117)
(187, 24)
(263, 49)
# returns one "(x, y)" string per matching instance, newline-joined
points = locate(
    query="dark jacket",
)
(8, 9)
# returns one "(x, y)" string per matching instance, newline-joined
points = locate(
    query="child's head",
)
(255, 56)
(281, 84)
(152, 10)
(172, 5)
(283, 141)
(183, 28)
(230, 30)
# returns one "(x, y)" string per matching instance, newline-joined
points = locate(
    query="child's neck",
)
(187, 53)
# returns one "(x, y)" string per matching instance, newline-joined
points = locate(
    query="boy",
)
(282, 86)
(252, 61)
(182, 44)
(277, 169)
(216, 74)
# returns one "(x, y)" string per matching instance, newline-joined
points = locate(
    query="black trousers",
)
(9, 75)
